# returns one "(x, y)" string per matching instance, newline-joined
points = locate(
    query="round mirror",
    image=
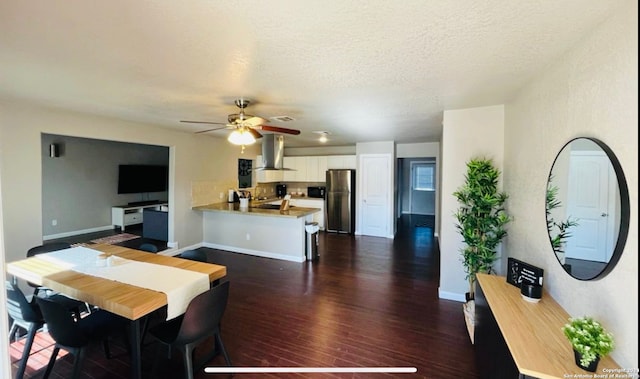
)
(587, 208)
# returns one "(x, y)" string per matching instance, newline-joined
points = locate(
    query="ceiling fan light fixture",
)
(242, 137)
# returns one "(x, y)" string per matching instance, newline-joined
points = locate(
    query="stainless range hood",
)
(272, 153)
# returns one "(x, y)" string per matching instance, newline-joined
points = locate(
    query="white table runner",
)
(180, 285)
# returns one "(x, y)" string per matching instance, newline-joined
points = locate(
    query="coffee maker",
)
(281, 190)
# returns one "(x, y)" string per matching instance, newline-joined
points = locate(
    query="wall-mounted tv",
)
(134, 178)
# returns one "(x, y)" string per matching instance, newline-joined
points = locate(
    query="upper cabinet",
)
(341, 161)
(305, 169)
(316, 169)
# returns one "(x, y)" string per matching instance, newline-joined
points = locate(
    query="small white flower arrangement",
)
(588, 338)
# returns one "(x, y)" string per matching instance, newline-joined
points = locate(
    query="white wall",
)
(591, 91)
(191, 158)
(5, 362)
(466, 134)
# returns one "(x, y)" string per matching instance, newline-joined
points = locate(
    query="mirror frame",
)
(625, 210)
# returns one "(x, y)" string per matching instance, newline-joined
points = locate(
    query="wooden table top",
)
(125, 300)
(533, 331)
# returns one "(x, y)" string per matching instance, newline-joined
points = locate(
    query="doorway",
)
(417, 186)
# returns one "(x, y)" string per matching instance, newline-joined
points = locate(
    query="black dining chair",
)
(200, 321)
(24, 315)
(149, 247)
(194, 255)
(75, 335)
(41, 249)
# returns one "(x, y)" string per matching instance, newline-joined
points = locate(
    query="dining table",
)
(117, 295)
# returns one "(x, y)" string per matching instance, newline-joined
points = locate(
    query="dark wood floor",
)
(132, 229)
(367, 302)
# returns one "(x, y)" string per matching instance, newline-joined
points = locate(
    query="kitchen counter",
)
(262, 232)
(252, 210)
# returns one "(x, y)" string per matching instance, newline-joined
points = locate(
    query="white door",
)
(589, 202)
(375, 204)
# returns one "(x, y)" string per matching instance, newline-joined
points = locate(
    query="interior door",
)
(375, 204)
(589, 201)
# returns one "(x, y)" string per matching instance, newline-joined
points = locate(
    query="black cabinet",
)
(492, 353)
(155, 224)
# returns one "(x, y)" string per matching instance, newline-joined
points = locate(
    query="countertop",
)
(533, 331)
(293, 212)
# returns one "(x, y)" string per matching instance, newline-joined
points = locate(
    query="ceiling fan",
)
(245, 127)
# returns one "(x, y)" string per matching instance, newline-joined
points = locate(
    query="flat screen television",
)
(142, 178)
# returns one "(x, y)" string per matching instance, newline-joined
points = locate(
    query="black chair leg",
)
(52, 361)
(223, 350)
(31, 334)
(105, 346)
(77, 363)
(188, 361)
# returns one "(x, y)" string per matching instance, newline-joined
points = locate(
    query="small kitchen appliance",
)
(281, 190)
(316, 192)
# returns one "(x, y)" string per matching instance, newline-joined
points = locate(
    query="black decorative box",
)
(519, 271)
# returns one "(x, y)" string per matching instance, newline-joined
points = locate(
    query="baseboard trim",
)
(77, 232)
(258, 253)
(451, 296)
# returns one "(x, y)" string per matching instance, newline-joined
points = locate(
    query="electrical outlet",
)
(248, 236)
(221, 196)
(54, 222)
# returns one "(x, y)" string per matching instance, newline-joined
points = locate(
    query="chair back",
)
(149, 247)
(194, 255)
(203, 314)
(19, 307)
(47, 248)
(61, 324)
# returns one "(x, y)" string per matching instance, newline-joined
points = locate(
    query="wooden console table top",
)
(533, 331)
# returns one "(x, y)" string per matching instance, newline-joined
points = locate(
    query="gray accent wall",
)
(80, 186)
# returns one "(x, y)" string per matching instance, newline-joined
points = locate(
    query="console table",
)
(131, 214)
(518, 339)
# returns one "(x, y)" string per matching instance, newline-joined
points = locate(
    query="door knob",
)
(604, 214)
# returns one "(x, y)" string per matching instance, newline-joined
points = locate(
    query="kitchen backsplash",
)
(210, 191)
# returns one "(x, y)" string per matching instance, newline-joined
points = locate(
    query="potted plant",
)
(481, 218)
(589, 340)
(558, 231)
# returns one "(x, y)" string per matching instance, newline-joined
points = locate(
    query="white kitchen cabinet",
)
(316, 169)
(298, 166)
(341, 161)
(290, 163)
(267, 176)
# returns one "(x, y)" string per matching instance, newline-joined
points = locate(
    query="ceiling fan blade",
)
(255, 133)
(203, 122)
(254, 121)
(211, 130)
(277, 129)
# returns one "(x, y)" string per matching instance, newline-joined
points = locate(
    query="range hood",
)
(272, 153)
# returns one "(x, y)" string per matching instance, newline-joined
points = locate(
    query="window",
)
(423, 176)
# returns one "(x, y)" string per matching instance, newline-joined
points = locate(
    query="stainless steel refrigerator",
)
(341, 201)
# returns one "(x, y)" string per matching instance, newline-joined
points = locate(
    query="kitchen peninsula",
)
(257, 231)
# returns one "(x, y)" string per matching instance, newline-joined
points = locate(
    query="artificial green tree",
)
(481, 218)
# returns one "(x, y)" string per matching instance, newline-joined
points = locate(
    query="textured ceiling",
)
(362, 70)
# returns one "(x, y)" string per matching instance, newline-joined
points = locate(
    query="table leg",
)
(136, 359)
